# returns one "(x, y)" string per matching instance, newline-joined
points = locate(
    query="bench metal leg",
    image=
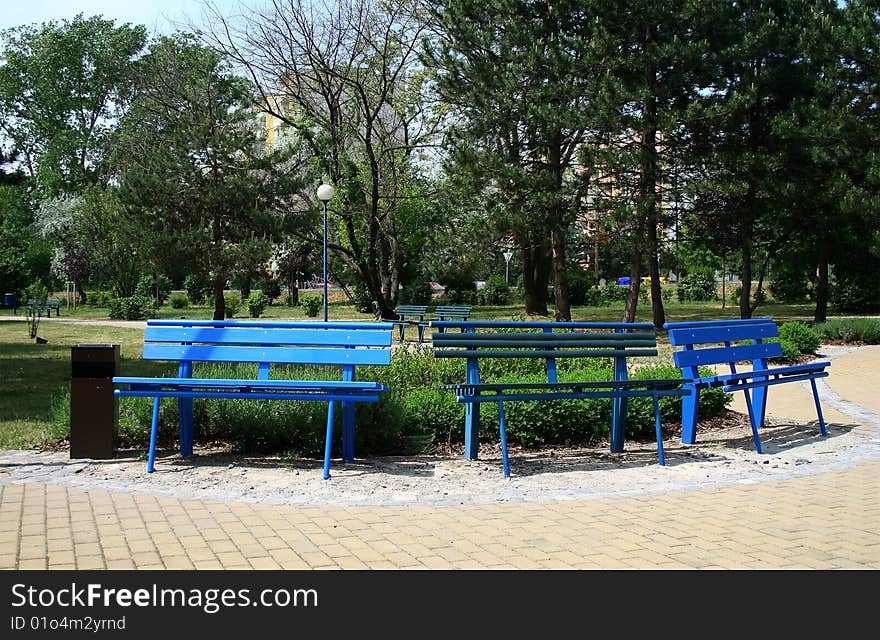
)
(660, 456)
(503, 432)
(185, 414)
(618, 410)
(759, 404)
(154, 431)
(402, 329)
(421, 334)
(348, 375)
(690, 409)
(754, 420)
(472, 416)
(329, 440)
(818, 407)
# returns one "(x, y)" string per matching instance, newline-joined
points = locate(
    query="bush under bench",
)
(346, 344)
(551, 341)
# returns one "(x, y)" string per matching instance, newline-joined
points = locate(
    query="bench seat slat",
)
(248, 383)
(546, 337)
(572, 395)
(253, 335)
(324, 396)
(275, 354)
(460, 341)
(740, 385)
(541, 353)
(775, 371)
(622, 384)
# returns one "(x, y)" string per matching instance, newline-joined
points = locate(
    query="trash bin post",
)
(92, 403)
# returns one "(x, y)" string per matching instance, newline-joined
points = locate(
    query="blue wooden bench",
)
(550, 341)
(410, 315)
(266, 343)
(719, 340)
(444, 313)
(46, 307)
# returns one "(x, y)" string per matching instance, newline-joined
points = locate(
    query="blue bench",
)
(47, 307)
(444, 313)
(266, 343)
(718, 341)
(550, 341)
(410, 315)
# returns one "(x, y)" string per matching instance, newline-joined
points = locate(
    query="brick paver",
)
(819, 522)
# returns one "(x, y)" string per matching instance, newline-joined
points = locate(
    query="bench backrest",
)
(346, 344)
(410, 310)
(50, 302)
(548, 340)
(718, 341)
(458, 312)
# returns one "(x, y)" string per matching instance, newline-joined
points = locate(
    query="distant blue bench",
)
(550, 341)
(267, 343)
(719, 340)
(47, 307)
(410, 315)
(443, 313)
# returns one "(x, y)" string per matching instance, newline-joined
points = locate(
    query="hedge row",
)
(411, 418)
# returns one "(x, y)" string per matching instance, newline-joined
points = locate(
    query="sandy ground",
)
(724, 455)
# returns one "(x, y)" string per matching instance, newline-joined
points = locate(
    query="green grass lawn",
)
(35, 374)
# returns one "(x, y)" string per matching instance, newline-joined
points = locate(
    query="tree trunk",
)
(745, 305)
(219, 300)
(654, 265)
(536, 270)
(292, 293)
(635, 280)
(560, 288)
(821, 313)
(245, 287)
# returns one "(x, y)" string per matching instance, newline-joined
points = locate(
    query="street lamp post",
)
(325, 194)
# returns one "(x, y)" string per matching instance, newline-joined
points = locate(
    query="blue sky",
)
(159, 16)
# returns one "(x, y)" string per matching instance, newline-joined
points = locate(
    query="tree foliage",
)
(194, 169)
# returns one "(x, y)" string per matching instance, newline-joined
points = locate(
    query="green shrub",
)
(232, 304)
(131, 308)
(179, 301)
(310, 304)
(790, 286)
(198, 288)
(801, 336)
(272, 288)
(459, 287)
(594, 297)
(257, 303)
(100, 298)
(580, 286)
(856, 294)
(363, 301)
(417, 292)
(613, 293)
(790, 352)
(158, 293)
(859, 330)
(496, 292)
(696, 287)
